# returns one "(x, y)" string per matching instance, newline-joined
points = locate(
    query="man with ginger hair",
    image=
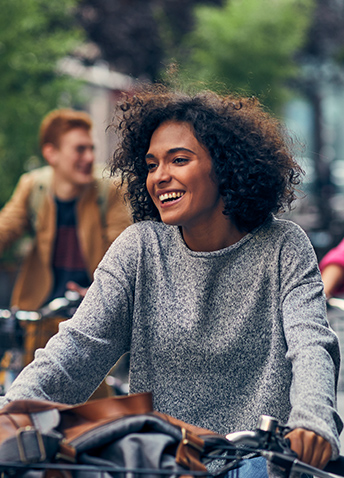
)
(73, 215)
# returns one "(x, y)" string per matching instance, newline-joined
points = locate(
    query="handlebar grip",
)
(336, 466)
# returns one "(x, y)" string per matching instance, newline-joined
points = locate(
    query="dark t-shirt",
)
(68, 262)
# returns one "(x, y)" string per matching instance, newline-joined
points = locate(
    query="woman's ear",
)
(49, 153)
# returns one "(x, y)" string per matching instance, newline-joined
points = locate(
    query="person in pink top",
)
(332, 271)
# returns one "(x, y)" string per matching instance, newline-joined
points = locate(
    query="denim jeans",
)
(253, 468)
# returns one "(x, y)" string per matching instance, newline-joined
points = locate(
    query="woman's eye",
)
(151, 166)
(180, 160)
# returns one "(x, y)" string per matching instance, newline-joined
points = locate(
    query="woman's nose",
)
(162, 174)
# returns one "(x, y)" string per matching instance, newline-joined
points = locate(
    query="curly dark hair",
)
(250, 149)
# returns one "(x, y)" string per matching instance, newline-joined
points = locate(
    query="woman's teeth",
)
(170, 196)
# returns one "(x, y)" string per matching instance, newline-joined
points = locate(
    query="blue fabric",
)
(253, 468)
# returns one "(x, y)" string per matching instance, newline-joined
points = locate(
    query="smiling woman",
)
(218, 301)
(251, 152)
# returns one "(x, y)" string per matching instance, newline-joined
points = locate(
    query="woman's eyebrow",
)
(172, 151)
(175, 150)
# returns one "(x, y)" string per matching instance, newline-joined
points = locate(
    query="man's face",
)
(73, 159)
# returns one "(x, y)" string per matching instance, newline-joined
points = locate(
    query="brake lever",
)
(279, 443)
(284, 443)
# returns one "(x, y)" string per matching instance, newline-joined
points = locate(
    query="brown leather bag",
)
(114, 433)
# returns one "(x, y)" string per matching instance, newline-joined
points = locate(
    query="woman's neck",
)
(212, 239)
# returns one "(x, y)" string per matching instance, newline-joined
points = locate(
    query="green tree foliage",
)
(134, 36)
(34, 35)
(248, 45)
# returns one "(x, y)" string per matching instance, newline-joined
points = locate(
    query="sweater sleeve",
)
(313, 348)
(77, 359)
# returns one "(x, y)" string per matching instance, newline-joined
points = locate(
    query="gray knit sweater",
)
(218, 337)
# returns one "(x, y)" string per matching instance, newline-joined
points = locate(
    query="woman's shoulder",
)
(283, 228)
(139, 241)
(283, 234)
(290, 238)
(146, 234)
(148, 229)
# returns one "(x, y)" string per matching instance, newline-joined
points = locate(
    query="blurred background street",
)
(86, 53)
(341, 413)
(336, 318)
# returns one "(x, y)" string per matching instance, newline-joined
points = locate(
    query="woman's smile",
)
(170, 197)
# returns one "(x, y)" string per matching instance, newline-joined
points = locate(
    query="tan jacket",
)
(35, 280)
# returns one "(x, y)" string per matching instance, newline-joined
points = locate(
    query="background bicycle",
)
(336, 318)
(23, 331)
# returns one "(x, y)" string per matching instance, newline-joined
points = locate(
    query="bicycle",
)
(23, 331)
(229, 452)
(335, 313)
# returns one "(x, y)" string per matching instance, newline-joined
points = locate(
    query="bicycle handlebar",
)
(336, 302)
(70, 300)
(290, 463)
(268, 441)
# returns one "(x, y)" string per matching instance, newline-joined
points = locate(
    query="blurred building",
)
(102, 89)
(328, 163)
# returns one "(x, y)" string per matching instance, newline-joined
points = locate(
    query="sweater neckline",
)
(220, 252)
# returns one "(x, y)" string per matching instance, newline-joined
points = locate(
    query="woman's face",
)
(180, 178)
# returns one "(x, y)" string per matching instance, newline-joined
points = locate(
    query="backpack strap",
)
(42, 178)
(103, 189)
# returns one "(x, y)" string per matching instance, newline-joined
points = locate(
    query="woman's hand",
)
(310, 447)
